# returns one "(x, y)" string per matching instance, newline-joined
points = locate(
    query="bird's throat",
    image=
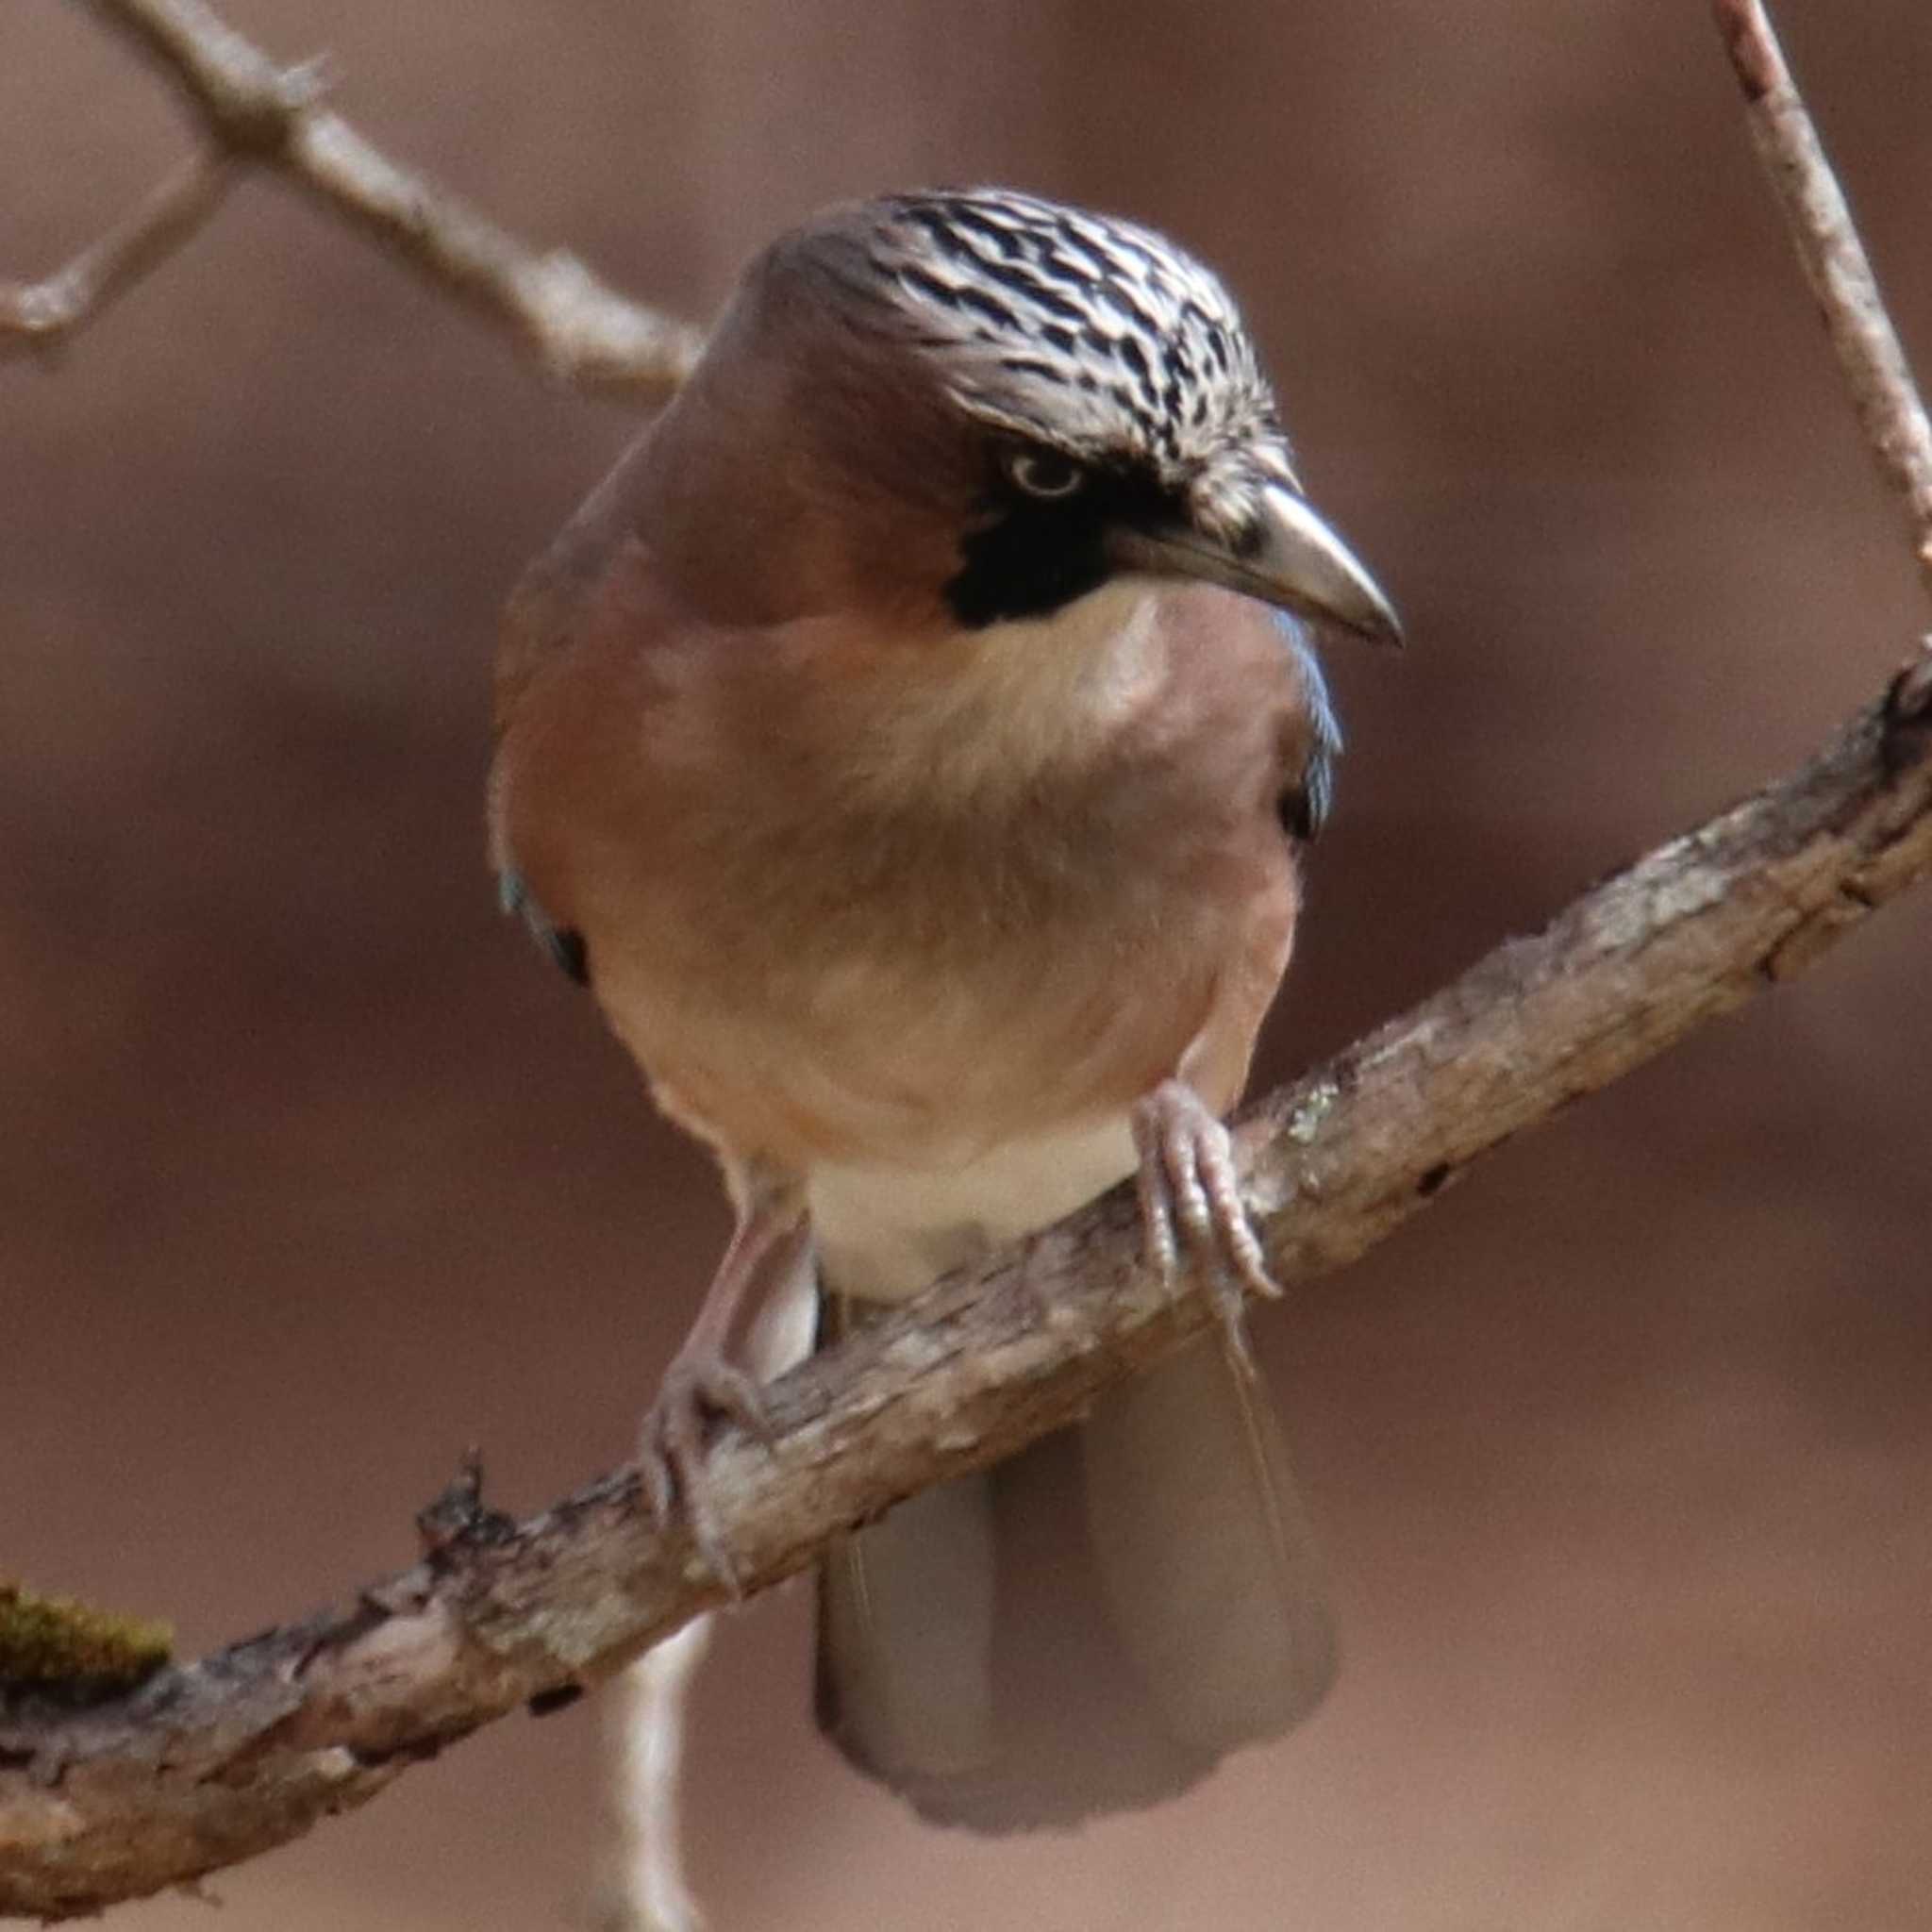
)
(1004, 708)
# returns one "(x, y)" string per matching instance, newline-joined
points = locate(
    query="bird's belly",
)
(923, 1068)
(885, 1231)
(952, 984)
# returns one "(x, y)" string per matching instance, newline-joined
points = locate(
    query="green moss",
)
(57, 1643)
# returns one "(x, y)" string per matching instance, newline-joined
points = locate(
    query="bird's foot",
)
(699, 1387)
(1190, 1206)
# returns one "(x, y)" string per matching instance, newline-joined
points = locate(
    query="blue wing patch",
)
(1310, 796)
(564, 945)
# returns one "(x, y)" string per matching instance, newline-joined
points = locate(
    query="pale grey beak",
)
(1289, 558)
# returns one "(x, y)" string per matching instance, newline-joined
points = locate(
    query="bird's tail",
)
(1090, 1625)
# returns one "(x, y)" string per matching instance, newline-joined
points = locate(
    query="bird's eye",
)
(1044, 472)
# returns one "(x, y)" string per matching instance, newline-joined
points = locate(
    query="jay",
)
(912, 744)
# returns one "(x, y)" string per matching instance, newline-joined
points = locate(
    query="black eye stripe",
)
(1028, 556)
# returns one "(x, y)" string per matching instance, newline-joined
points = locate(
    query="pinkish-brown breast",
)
(860, 897)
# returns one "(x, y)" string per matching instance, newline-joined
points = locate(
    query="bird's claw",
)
(1191, 1203)
(696, 1390)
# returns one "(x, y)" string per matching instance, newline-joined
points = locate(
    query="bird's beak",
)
(1288, 557)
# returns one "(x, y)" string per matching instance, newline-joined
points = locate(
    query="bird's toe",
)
(697, 1390)
(1190, 1203)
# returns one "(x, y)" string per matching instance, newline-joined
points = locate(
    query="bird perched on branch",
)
(902, 747)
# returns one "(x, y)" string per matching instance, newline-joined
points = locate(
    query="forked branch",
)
(253, 113)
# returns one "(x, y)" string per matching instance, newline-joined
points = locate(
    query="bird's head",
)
(1012, 403)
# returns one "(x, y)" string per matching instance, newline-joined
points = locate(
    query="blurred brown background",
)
(311, 1172)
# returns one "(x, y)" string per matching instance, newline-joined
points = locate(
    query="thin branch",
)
(648, 1891)
(1876, 372)
(209, 1763)
(40, 316)
(254, 111)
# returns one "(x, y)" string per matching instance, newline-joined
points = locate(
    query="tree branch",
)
(254, 112)
(208, 1763)
(40, 316)
(1876, 375)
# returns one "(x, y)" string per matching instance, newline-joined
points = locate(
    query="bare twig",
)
(1875, 367)
(40, 315)
(209, 1763)
(254, 112)
(649, 1891)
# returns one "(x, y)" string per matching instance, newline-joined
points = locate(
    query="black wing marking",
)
(564, 943)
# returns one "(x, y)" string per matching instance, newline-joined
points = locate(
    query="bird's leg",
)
(702, 1383)
(1190, 1203)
